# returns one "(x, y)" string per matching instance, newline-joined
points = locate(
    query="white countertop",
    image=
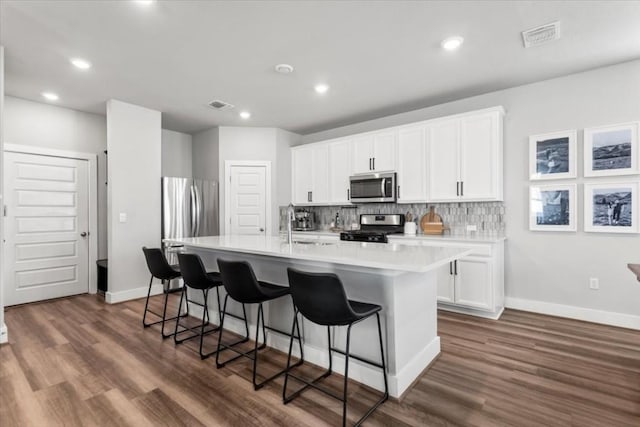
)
(390, 256)
(468, 238)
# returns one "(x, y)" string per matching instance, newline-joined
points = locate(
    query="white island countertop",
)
(389, 256)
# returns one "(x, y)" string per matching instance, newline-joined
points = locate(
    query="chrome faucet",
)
(291, 216)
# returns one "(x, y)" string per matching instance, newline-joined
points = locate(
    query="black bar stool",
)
(320, 297)
(196, 277)
(241, 284)
(160, 269)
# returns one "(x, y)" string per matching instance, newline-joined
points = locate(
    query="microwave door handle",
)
(382, 187)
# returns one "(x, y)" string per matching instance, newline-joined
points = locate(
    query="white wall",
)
(543, 266)
(134, 144)
(205, 155)
(176, 154)
(50, 126)
(3, 329)
(254, 143)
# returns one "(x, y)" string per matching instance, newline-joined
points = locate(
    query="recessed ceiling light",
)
(321, 88)
(144, 2)
(284, 68)
(245, 115)
(81, 63)
(452, 43)
(50, 96)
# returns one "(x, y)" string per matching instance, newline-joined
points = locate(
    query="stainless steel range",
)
(375, 228)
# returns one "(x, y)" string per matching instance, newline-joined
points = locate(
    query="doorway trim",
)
(92, 160)
(228, 164)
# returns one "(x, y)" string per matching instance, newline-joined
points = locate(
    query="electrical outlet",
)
(472, 227)
(594, 283)
(123, 217)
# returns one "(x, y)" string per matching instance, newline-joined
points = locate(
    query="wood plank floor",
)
(78, 361)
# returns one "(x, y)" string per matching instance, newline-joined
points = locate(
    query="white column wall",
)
(134, 145)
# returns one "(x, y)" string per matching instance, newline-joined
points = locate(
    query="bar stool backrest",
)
(240, 281)
(320, 297)
(158, 265)
(193, 272)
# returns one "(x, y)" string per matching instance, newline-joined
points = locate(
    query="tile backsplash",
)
(487, 216)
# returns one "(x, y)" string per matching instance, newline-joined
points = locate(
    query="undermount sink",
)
(312, 242)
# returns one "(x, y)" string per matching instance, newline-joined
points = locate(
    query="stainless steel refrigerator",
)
(189, 208)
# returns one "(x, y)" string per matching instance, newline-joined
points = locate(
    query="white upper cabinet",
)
(450, 159)
(301, 180)
(374, 152)
(320, 174)
(481, 157)
(339, 171)
(310, 174)
(443, 160)
(465, 157)
(412, 165)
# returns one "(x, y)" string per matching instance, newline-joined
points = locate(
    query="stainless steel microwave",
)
(373, 188)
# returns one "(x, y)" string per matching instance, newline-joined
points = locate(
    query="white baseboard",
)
(129, 294)
(579, 313)
(471, 312)
(4, 334)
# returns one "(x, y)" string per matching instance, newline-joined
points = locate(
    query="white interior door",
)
(46, 227)
(247, 196)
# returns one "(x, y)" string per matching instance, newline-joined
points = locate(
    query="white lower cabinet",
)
(467, 283)
(472, 285)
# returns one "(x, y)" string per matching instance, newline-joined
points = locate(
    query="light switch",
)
(123, 217)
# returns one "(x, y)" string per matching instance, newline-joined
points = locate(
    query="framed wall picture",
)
(553, 155)
(611, 150)
(611, 207)
(552, 207)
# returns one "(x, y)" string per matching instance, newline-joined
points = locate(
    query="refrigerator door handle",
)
(193, 211)
(198, 211)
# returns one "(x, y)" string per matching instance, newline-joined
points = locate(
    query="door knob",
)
(83, 234)
(261, 229)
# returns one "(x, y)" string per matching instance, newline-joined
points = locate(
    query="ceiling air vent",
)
(541, 35)
(220, 105)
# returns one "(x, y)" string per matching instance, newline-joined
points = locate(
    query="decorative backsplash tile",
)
(487, 216)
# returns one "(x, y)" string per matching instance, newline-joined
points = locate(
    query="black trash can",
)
(102, 275)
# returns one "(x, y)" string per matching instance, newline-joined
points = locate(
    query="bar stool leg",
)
(175, 332)
(384, 366)
(205, 315)
(146, 305)
(221, 346)
(346, 377)
(257, 386)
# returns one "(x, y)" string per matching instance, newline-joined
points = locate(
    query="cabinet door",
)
(384, 151)
(301, 177)
(362, 154)
(473, 283)
(480, 154)
(445, 284)
(443, 161)
(319, 173)
(412, 165)
(339, 172)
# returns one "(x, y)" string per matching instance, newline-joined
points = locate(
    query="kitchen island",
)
(398, 277)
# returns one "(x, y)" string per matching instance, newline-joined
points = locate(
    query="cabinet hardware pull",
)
(450, 268)
(348, 194)
(370, 163)
(462, 188)
(311, 196)
(374, 163)
(455, 267)
(457, 188)
(398, 195)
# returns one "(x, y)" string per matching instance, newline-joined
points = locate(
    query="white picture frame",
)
(553, 155)
(611, 150)
(611, 207)
(552, 207)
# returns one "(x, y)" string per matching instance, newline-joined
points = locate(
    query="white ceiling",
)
(379, 57)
